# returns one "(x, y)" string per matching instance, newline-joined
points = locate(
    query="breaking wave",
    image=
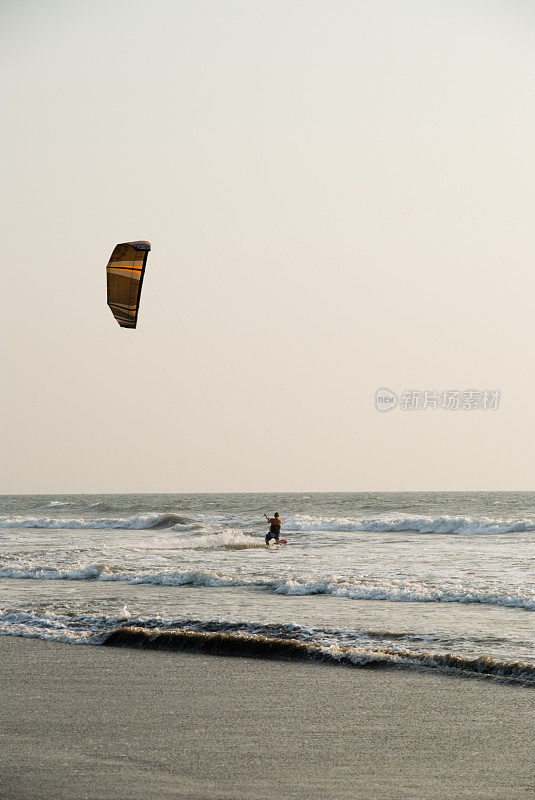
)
(417, 524)
(223, 540)
(258, 646)
(389, 523)
(396, 591)
(402, 591)
(152, 520)
(287, 642)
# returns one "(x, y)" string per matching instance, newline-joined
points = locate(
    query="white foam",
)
(405, 592)
(137, 522)
(396, 591)
(390, 523)
(226, 540)
(97, 572)
(45, 626)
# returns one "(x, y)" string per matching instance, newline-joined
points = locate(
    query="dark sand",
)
(90, 722)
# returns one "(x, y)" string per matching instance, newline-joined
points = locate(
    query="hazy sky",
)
(340, 197)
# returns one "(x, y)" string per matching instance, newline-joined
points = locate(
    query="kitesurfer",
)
(274, 528)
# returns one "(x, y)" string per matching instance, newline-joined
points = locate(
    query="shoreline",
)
(107, 722)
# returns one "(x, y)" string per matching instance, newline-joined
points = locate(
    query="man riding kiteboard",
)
(275, 524)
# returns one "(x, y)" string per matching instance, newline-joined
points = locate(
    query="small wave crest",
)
(370, 649)
(398, 523)
(223, 540)
(105, 572)
(152, 520)
(400, 591)
(258, 646)
(395, 591)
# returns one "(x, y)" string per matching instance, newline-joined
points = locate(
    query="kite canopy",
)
(124, 275)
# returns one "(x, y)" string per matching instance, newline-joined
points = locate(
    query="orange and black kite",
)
(124, 274)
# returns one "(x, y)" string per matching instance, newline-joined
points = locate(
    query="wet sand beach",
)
(95, 722)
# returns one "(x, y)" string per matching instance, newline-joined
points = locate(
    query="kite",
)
(124, 275)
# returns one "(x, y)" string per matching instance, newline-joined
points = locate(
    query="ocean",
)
(427, 581)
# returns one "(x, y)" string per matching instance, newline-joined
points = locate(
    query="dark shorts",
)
(272, 535)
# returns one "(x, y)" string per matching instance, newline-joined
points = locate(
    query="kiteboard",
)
(280, 541)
